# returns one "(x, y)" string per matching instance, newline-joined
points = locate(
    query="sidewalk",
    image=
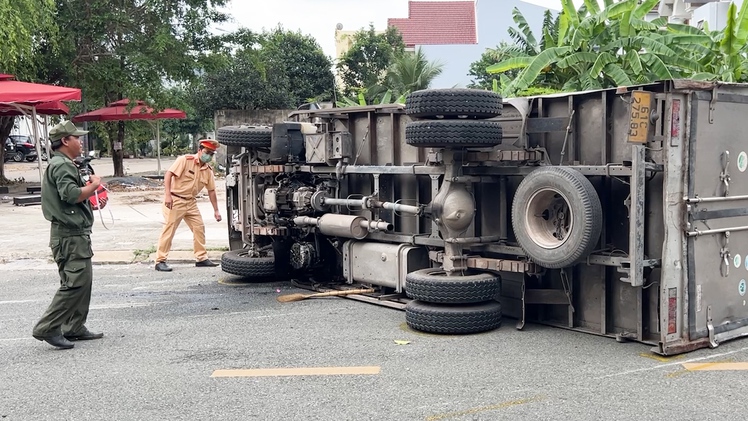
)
(130, 235)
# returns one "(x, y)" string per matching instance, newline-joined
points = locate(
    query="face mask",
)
(205, 158)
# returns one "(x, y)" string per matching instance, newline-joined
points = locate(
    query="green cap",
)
(66, 128)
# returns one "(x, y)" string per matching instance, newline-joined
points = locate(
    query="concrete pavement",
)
(126, 231)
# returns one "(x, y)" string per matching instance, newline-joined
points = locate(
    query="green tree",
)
(365, 64)
(302, 60)
(27, 30)
(131, 49)
(246, 83)
(273, 70)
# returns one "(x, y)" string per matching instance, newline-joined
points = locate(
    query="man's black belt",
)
(183, 198)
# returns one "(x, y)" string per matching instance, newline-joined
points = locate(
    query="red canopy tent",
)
(16, 92)
(25, 98)
(118, 110)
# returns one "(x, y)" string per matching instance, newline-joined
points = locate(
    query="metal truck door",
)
(717, 209)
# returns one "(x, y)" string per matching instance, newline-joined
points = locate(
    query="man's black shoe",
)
(206, 264)
(162, 267)
(85, 335)
(58, 341)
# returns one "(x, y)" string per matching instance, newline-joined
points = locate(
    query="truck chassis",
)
(612, 212)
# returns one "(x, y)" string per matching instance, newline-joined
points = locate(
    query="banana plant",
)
(597, 48)
(722, 54)
(378, 95)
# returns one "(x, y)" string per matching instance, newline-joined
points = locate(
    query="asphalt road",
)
(168, 333)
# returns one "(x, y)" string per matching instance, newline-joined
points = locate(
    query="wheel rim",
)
(18, 157)
(549, 219)
(245, 253)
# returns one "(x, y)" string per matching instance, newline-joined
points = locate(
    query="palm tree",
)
(412, 72)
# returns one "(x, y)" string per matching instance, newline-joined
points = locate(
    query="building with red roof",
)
(438, 23)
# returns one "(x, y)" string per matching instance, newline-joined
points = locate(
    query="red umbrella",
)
(118, 111)
(44, 108)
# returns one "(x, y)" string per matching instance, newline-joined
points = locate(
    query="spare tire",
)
(238, 262)
(453, 134)
(433, 285)
(247, 136)
(453, 319)
(556, 216)
(453, 103)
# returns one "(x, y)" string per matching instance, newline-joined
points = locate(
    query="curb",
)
(127, 257)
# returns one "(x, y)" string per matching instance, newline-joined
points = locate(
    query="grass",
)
(217, 249)
(146, 252)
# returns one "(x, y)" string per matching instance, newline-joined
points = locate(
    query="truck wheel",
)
(453, 103)
(556, 216)
(247, 136)
(237, 262)
(433, 285)
(453, 134)
(453, 319)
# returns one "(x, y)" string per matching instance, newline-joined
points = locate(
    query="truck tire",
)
(556, 216)
(453, 134)
(453, 103)
(453, 319)
(247, 136)
(433, 285)
(236, 262)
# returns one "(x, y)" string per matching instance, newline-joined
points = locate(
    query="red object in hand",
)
(99, 199)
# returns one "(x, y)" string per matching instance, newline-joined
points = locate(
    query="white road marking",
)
(126, 305)
(16, 339)
(17, 301)
(248, 312)
(657, 367)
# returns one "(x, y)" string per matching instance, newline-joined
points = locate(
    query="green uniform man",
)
(65, 204)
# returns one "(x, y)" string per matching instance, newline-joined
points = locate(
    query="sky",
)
(319, 17)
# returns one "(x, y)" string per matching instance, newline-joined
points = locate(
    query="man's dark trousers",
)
(69, 308)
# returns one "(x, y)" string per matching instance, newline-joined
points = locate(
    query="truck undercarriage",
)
(593, 211)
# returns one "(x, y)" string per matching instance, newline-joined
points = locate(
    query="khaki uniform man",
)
(182, 182)
(65, 204)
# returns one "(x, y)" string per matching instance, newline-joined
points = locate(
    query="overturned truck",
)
(619, 212)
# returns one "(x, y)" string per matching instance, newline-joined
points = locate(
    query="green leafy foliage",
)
(596, 47)
(481, 79)
(722, 55)
(366, 63)
(411, 72)
(26, 29)
(130, 49)
(593, 47)
(245, 83)
(278, 69)
(301, 59)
